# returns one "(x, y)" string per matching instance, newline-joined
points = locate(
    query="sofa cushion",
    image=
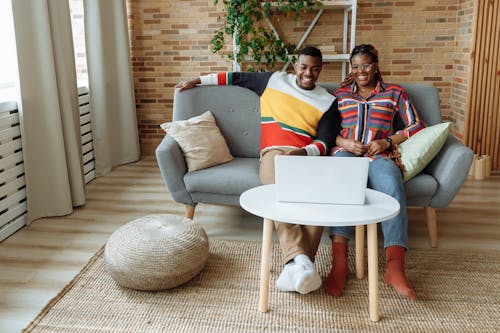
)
(419, 150)
(200, 140)
(231, 178)
(236, 109)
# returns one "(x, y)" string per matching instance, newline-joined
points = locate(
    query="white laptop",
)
(321, 179)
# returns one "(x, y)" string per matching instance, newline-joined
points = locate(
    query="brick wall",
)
(169, 41)
(418, 41)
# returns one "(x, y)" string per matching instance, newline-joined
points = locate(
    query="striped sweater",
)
(290, 116)
(373, 118)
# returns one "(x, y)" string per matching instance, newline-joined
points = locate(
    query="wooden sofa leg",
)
(189, 211)
(430, 219)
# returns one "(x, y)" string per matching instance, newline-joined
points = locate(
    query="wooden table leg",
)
(373, 295)
(360, 251)
(267, 242)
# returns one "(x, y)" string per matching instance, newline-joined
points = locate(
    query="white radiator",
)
(86, 131)
(13, 208)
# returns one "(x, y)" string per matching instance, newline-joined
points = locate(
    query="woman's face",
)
(363, 70)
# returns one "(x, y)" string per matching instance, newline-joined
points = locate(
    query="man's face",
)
(307, 69)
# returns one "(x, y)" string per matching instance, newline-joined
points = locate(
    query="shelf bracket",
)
(304, 36)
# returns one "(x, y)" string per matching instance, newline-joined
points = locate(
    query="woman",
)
(368, 107)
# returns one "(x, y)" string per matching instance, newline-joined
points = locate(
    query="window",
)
(8, 56)
(78, 29)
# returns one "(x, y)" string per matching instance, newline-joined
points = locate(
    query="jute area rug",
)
(458, 292)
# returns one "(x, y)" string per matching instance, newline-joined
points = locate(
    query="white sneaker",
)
(287, 279)
(299, 275)
(302, 259)
(308, 280)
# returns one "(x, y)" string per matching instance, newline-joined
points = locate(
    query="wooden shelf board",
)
(326, 57)
(335, 57)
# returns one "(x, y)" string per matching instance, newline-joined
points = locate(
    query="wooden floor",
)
(39, 260)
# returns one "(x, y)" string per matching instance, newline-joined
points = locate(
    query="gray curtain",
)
(114, 123)
(48, 108)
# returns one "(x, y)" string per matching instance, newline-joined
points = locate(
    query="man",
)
(297, 118)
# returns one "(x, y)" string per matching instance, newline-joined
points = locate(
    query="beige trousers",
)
(294, 238)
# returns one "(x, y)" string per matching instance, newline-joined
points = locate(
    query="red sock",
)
(395, 271)
(334, 284)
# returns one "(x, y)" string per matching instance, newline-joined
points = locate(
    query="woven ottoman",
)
(156, 252)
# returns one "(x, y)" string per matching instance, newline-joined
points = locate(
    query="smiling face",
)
(307, 69)
(364, 70)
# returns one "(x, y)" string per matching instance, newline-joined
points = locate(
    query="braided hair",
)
(368, 50)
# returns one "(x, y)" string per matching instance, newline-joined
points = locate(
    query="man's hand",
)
(298, 151)
(184, 85)
(376, 147)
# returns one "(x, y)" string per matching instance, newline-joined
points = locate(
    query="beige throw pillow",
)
(200, 140)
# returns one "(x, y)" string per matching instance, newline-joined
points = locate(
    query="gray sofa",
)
(236, 111)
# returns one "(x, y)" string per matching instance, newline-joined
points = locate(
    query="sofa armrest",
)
(450, 168)
(173, 168)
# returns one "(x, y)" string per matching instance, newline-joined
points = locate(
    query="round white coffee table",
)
(261, 201)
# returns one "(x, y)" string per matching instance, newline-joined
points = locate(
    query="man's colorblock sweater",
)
(290, 116)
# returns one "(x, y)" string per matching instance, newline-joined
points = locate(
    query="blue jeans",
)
(384, 176)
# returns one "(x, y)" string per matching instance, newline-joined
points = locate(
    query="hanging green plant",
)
(244, 21)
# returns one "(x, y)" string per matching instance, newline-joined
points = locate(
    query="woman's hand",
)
(352, 146)
(376, 147)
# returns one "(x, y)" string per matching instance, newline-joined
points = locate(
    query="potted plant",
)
(246, 21)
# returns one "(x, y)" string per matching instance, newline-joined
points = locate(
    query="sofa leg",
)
(430, 219)
(189, 212)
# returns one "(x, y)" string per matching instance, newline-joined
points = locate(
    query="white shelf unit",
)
(349, 8)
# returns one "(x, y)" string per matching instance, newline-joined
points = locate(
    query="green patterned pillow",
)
(419, 150)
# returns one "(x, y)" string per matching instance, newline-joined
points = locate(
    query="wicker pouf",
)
(156, 252)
